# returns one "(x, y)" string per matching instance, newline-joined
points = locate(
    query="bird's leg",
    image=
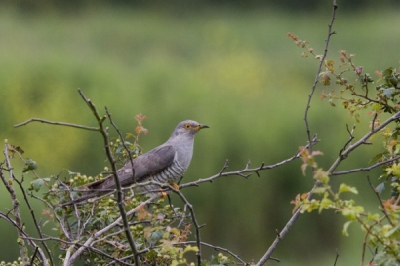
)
(174, 185)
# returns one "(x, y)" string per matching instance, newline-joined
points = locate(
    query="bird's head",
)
(188, 127)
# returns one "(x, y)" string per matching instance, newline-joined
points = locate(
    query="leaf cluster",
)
(353, 90)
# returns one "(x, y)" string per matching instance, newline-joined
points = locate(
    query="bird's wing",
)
(152, 162)
(147, 164)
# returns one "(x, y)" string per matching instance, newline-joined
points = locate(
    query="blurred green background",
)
(228, 65)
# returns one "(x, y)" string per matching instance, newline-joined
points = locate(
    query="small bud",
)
(359, 70)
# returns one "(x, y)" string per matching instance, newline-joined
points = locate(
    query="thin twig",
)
(361, 141)
(351, 137)
(245, 171)
(120, 199)
(194, 220)
(380, 201)
(23, 251)
(296, 215)
(99, 233)
(215, 248)
(122, 139)
(310, 96)
(336, 258)
(24, 235)
(365, 169)
(37, 226)
(56, 124)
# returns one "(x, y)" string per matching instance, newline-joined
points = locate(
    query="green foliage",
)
(161, 231)
(354, 92)
(234, 69)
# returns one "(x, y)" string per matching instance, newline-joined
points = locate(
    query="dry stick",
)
(310, 96)
(245, 172)
(336, 258)
(104, 133)
(296, 215)
(99, 233)
(56, 124)
(389, 247)
(56, 216)
(120, 200)
(194, 220)
(364, 245)
(361, 141)
(50, 238)
(341, 157)
(38, 229)
(365, 169)
(23, 251)
(380, 202)
(217, 248)
(122, 139)
(25, 236)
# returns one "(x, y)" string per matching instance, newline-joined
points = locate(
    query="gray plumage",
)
(165, 164)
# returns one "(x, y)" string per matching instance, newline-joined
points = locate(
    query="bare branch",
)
(56, 124)
(120, 200)
(246, 170)
(296, 215)
(310, 96)
(23, 251)
(194, 220)
(380, 202)
(37, 226)
(366, 169)
(361, 141)
(24, 235)
(217, 249)
(122, 139)
(99, 233)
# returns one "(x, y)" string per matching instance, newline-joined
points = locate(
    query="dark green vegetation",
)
(235, 71)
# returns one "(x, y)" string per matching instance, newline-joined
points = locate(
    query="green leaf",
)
(29, 166)
(387, 72)
(345, 228)
(373, 217)
(38, 183)
(351, 213)
(380, 188)
(190, 248)
(392, 231)
(321, 175)
(345, 188)
(325, 203)
(73, 173)
(320, 190)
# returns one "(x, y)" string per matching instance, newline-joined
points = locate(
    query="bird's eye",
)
(187, 126)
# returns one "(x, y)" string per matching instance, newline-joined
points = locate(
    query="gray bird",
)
(165, 164)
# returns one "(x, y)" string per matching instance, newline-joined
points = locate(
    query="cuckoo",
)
(164, 164)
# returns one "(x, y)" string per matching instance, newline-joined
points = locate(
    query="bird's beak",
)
(200, 126)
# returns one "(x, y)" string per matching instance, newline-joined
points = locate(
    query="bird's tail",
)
(91, 190)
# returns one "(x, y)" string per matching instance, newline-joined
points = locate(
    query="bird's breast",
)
(170, 174)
